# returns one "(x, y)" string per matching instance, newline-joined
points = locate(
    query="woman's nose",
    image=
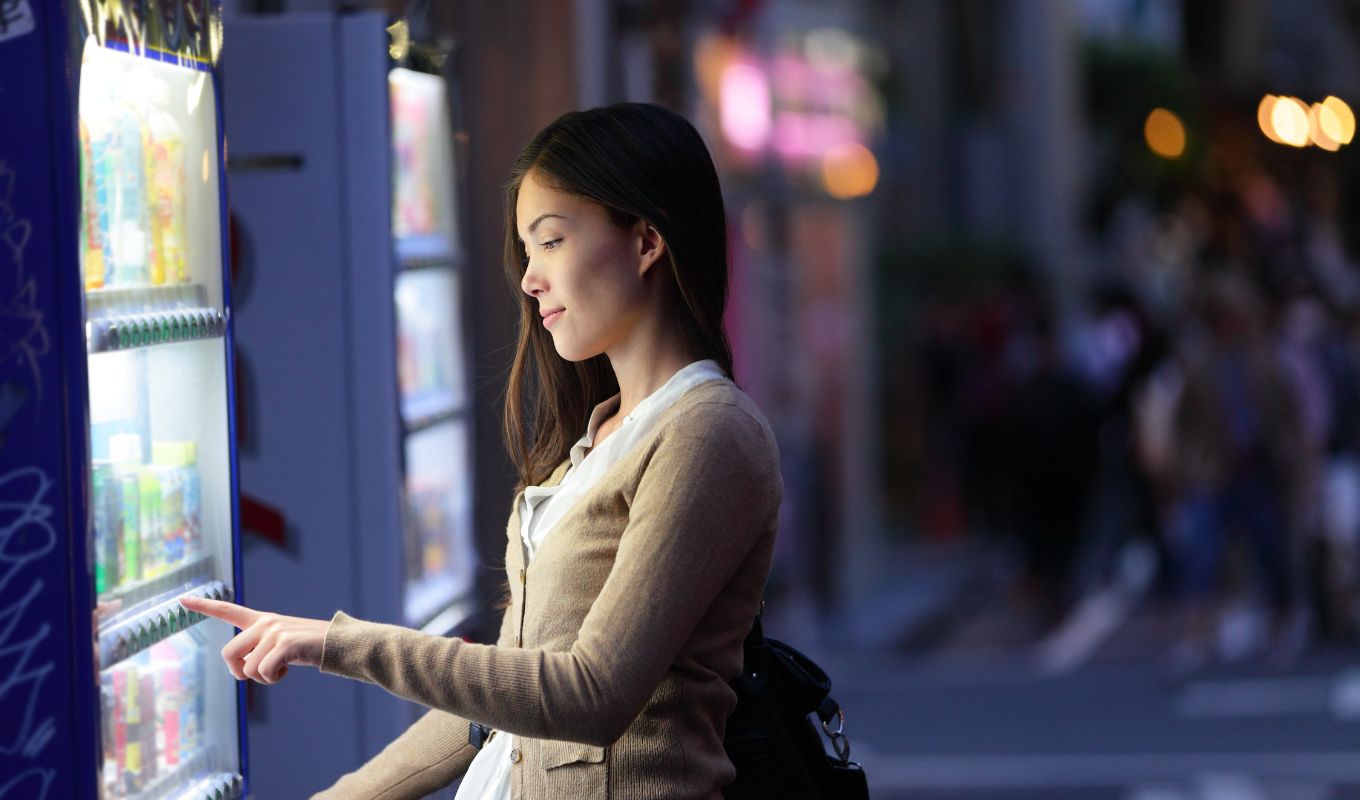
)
(531, 284)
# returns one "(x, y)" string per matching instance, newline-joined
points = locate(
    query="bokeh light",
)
(746, 118)
(1344, 116)
(1324, 128)
(1263, 118)
(1289, 119)
(849, 170)
(399, 34)
(1165, 134)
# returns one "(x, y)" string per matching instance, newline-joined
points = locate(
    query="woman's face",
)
(585, 272)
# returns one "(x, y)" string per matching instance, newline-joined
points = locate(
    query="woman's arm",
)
(709, 493)
(430, 755)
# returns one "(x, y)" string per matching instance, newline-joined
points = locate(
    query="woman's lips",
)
(551, 318)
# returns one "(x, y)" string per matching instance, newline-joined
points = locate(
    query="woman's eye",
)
(552, 244)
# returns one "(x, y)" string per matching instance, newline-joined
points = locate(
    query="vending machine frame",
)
(47, 601)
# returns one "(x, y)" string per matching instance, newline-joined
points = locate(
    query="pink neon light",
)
(800, 136)
(746, 106)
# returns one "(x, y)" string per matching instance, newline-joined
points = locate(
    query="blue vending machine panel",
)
(117, 457)
(41, 564)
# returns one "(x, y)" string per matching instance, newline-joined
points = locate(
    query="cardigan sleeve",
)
(428, 756)
(709, 492)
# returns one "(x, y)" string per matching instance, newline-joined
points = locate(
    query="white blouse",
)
(488, 776)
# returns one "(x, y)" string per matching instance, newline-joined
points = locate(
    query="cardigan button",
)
(515, 756)
(519, 640)
(521, 576)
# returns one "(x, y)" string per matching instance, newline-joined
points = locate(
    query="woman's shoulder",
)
(720, 411)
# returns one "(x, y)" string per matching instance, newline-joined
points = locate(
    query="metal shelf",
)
(119, 300)
(210, 786)
(193, 571)
(138, 631)
(430, 409)
(423, 252)
(165, 785)
(144, 329)
(218, 786)
(448, 621)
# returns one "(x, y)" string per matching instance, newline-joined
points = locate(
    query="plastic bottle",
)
(93, 235)
(164, 152)
(192, 703)
(166, 665)
(153, 537)
(169, 460)
(108, 715)
(150, 753)
(193, 500)
(126, 451)
(120, 729)
(132, 718)
(97, 115)
(128, 217)
(108, 528)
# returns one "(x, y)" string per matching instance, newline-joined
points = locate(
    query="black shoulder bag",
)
(771, 738)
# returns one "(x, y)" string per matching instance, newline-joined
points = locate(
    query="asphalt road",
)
(981, 715)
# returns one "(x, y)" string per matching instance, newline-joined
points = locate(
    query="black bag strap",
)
(756, 638)
(810, 682)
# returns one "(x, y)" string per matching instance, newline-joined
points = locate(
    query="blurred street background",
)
(1054, 306)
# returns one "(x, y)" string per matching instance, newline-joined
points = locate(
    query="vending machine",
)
(435, 424)
(352, 358)
(117, 457)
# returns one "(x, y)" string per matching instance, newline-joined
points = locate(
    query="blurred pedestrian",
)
(1237, 459)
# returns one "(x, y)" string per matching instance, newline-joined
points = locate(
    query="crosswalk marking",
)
(1074, 771)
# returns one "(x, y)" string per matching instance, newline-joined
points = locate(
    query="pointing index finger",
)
(240, 616)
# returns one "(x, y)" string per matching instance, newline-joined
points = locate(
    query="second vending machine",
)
(355, 408)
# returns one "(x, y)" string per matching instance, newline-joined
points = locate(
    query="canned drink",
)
(172, 512)
(179, 497)
(193, 502)
(190, 666)
(118, 680)
(129, 498)
(150, 755)
(153, 539)
(107, 712)
(107, 528)
(169, 699)
(132, 717)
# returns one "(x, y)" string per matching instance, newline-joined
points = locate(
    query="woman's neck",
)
(642, 371)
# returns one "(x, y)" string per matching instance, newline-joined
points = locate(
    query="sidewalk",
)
(925, 592)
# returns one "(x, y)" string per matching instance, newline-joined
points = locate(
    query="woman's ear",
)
(651, 247)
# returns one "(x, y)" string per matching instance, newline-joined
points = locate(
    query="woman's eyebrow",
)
(540, 218)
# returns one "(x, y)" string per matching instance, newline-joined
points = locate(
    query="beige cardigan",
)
(614, 657)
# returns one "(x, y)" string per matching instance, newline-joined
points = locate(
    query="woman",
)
(637, 553)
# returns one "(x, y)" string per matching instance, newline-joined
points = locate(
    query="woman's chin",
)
(566, 352)
(574, 354)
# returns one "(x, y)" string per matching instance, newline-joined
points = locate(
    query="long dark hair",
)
(639, 161)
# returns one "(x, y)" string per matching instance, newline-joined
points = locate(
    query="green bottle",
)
(126, 450)
(153, 546)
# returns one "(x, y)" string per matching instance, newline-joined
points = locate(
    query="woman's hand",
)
(267, 643)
